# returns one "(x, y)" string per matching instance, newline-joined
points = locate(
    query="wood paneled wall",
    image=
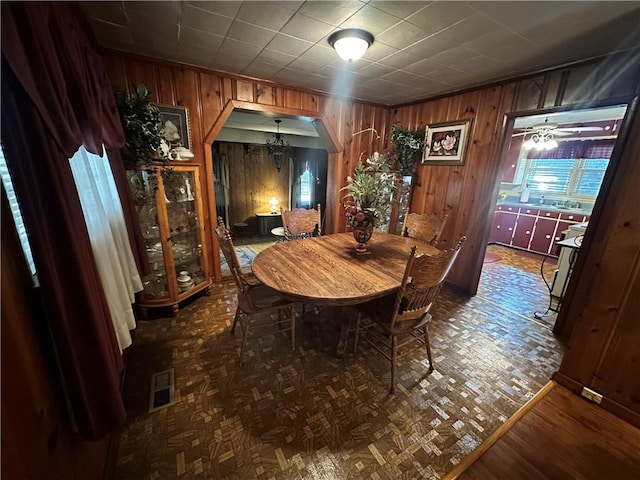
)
(254, 180)
(471, 190)
(602, 316)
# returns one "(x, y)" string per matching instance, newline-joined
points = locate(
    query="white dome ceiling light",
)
(351, 43)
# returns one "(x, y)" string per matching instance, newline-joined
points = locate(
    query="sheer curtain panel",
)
(108, 233)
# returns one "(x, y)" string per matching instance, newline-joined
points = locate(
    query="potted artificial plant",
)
(407, 145)
(143, 129)
(368, 201)
(143, 132)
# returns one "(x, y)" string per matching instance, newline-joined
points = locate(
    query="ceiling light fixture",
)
(541, 140)
(278, 148)
(351, 43)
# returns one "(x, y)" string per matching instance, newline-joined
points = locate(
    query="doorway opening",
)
(250, 186)
(554, 164)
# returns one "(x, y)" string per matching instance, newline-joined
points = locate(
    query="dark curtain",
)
(221, 184)
(315, 160)
(55, 62)
(56, 97)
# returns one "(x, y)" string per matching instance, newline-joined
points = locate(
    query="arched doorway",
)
(325, 132)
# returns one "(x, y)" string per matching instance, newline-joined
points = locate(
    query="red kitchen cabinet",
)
(523, 231)
(495, 227)
(505, 223)
(572, 217)
(548, 214)
(513, 157)
(543, 236)
(531, 229)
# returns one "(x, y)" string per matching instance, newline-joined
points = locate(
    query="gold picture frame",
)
(446, 143)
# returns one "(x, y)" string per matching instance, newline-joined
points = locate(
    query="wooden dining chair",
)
(254, 298)
(424, 226)
(401, 319)
(301, 223)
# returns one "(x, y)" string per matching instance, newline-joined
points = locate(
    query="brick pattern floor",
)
(307, 414)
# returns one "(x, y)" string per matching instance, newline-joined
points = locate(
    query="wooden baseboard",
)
(607, 404)
(495, 436)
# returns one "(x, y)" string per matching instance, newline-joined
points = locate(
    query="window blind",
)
(574, 168)
(15, 212)
(550, 175)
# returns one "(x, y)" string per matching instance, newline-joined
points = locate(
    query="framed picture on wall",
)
(446, 143)
(176, 125)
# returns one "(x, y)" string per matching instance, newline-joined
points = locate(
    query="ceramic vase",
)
(362, 224)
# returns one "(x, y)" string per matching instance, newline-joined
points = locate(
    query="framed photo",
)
(176, 125)
(446, 143)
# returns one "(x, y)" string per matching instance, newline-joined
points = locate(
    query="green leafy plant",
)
(371, 188)
(406, 143)
(142, 127)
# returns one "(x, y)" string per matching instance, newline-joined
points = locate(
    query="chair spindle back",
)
(230, 255)
(424, 226)
(421, 284)
(301, 223)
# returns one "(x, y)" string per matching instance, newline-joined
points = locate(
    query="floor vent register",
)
(161, 390)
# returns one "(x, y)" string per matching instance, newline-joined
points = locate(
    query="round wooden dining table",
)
(326, 270)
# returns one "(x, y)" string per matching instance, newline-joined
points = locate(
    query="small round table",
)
(278, 231)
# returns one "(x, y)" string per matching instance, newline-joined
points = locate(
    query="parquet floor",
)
(309, 415)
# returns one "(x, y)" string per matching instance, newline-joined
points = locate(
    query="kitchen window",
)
(575, 168)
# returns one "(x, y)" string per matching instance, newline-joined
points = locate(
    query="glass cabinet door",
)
(404, 196)
(393, 217)
(143, 186)
(183, 223)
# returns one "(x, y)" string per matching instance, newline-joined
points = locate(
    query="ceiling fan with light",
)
(542, 134)
(555, 129)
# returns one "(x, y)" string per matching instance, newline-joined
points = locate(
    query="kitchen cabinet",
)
(502, 228)
(170, 209)
(523, 231)
(530, 228)
(510, 168)
(543, 236)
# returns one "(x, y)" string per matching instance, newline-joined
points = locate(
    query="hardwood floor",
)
(562, 436)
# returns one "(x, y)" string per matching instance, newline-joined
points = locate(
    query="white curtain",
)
(105, 224)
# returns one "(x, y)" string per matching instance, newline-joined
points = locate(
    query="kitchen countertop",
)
(552, 208)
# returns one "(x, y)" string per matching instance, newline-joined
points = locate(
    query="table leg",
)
(345, 325)
(328, 315)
